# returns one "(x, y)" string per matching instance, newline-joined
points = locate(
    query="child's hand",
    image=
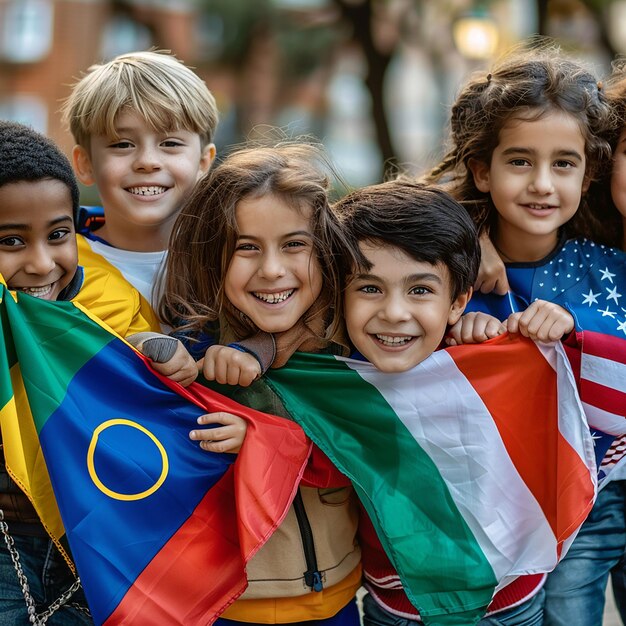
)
(226, 438)
(180, 367)
(491, 273)
(541, 321)
(474, 327)
(168, 355)
(229, 366)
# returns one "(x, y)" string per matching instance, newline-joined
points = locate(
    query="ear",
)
(458, 306)
(206, 160)
(480, 172)
(82, 165)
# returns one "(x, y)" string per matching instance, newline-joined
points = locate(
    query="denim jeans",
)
(48, 577)
(575, 590)
(530, 613)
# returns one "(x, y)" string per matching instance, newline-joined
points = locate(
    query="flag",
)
(475, 467)
(589, 280)
(160, 530)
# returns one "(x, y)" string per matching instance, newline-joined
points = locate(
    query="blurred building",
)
(45, 45)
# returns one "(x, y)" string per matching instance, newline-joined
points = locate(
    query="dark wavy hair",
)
(424, 222)
(532, 80)
(205, 233)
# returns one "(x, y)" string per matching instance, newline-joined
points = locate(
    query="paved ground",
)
(611, 618)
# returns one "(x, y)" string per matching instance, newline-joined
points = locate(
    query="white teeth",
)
(147, 191)
(539, 207)
(388, 340)
(37, 292)
(273, 298)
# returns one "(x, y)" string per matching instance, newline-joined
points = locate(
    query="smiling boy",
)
(39, 258)
(144, 125)
(419, 260)
(420, 257)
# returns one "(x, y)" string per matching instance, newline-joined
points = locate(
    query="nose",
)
(541, 181)
(272, 266)
(394, 309)
(40, 261)
(147, 159)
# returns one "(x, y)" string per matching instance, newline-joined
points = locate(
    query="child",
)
(600, 548)
(421, 259)
(144, 125)
(38, 257)
(528, 139)
(256, 247)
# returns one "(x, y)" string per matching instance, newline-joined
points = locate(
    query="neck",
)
(524, 248)
(150, 240)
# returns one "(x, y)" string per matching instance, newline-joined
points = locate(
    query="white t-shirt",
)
(140, 269)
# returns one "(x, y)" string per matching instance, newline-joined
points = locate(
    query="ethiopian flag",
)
(475, 467)
(160, 530)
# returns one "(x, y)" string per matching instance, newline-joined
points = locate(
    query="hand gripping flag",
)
(160, 530)
(588, 280)
(475, 467)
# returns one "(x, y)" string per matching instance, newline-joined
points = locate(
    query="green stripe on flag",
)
(55, 332)
(410, 505)
(8, 357)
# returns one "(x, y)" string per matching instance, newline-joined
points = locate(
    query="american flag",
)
(589, 280)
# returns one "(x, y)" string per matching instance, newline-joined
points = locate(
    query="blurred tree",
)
(270, 50)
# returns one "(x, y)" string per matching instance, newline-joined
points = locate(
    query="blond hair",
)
(162, 89)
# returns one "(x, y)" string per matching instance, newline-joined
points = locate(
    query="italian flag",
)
(475, 467)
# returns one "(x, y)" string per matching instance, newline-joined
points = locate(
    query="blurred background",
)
(372, 79)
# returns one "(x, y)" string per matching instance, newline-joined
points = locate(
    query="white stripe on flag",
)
(603, 371)
(451, 423)
(605, 421)
(572, 414)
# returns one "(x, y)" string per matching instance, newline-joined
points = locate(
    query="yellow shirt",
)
(124, 309)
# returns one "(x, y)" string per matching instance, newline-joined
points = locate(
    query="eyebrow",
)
(561, 153)
(295, 233)
(412, 278)
(54, 222)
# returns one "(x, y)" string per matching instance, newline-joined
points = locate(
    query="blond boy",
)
(144, 125)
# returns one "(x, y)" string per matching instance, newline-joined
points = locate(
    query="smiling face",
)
(143, 176)
(274, 275)
(536, 179)
(397, 312)
(38, 252)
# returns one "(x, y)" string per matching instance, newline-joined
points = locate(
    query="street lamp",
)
(475, 34)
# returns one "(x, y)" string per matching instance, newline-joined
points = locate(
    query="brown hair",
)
(426, 223)
(608, 225)
(528, 82)
(204, 234)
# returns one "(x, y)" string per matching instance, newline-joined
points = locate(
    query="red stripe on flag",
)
(200, 570)
(605, 346)
(605, 398)
(558, 478)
